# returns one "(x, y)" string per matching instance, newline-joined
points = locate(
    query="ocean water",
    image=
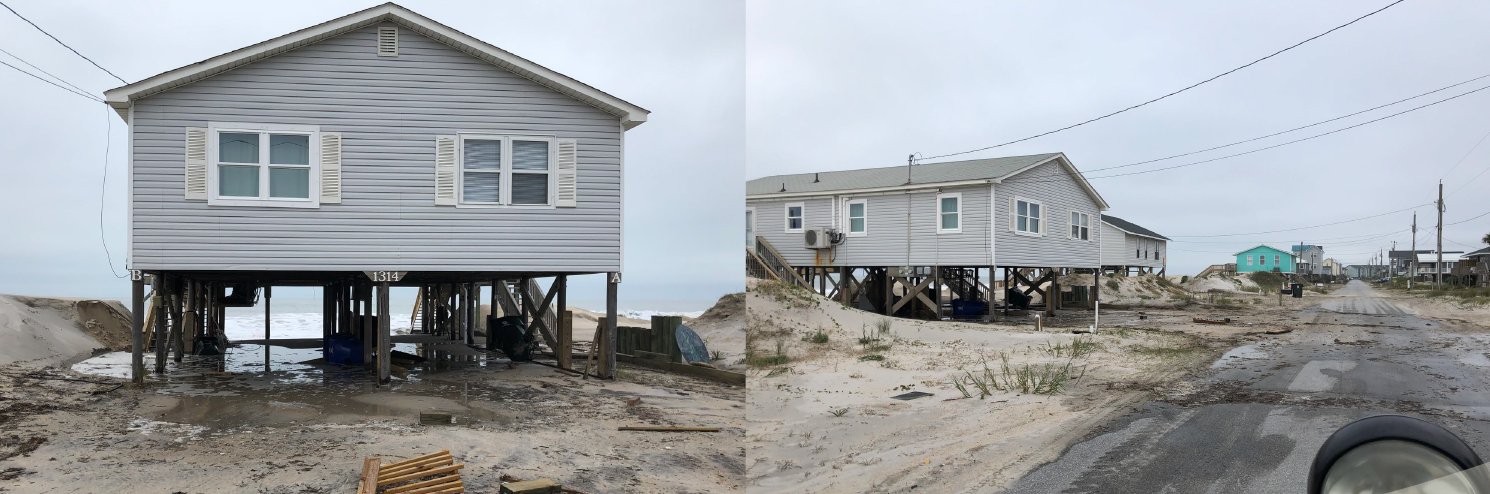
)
(301, 318)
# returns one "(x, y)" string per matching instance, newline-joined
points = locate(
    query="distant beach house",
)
(1265, 259)
(1127, 247)
(1310, 259)
(1477, 264)
(379, 148)
(857, 234)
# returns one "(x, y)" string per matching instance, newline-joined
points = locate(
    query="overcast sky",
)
(843, 85)
(682, 60)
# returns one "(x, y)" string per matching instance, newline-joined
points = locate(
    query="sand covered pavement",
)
(822, 417)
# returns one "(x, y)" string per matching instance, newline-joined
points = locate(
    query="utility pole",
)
(1438, 266)
(1412, 270)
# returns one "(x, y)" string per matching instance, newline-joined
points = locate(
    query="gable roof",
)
(921, 176)
(1481, 252)
(1266, 246)
(1300, 248)
(1130, 228)
(122, 97)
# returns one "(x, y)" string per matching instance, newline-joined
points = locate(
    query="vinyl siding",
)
(388, 110)
(885, 241)
(1059, 197)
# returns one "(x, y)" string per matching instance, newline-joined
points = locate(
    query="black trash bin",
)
(1298, 290)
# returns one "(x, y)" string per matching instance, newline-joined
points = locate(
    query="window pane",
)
(856, 210)
(1024, 208)
(794, 223)
(949, 221)
(1075, 231)
(288, 149)
(856, 225)
(289, 182)
(1035, 211)
(481, 187)
(1035, 224)
(238, 181)
(1023, 224)
(529, 155)
(949, 204)
(237, 148)
(794, 211)
(529, 188)
(482, 155)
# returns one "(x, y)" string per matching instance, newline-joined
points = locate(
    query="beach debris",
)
(1203, 320)
(666, 428)
(436, 418)
(911, 395)
(431, 473)
(632, 402)
(538, 486)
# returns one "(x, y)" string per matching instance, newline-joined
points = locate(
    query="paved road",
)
(1259, 416)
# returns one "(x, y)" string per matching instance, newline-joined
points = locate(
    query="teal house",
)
(1264, 258)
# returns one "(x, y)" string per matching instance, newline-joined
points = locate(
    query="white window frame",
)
(786, 214)
(848, 218)
(1074, 224)
(1041, 217)
(939, 213)
(1249, 260)
(504, 196)
(313, 190)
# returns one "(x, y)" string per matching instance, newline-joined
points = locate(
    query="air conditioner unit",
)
(818, 238)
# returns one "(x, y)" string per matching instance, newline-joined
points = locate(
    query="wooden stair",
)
(773, 262)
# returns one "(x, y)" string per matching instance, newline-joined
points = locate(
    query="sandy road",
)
(1254, 422)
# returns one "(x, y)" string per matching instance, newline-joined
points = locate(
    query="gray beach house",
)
(377, 149)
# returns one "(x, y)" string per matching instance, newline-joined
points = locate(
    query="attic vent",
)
(387, 41)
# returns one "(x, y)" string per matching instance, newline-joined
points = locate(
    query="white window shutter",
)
(1013, 214)
(567, 174)
(445, 171)
(330, 168)
(196, 163)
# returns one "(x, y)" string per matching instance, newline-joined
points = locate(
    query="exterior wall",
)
(885, 241)
(1058, 198)
(1133, 250)
(1285, 258)
(1312, 258)
(388, 110)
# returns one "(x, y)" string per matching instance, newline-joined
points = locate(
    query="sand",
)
(824, 421)
(43, 331)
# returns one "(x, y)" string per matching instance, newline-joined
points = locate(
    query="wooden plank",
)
(454, 486)
(408, 468)
(443, 452)
(716, 375)
(425, 473)
(440, 483)
(536, 486)
(369, 482)
(666, 428)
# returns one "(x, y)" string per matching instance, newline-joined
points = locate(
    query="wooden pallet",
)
(428, 474)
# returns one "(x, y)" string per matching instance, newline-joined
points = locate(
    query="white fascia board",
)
(121, 97)
(870, 190)
(1136, 234)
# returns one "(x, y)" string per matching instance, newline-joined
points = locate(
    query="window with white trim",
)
(857, 217)
(1262, 260)
(1081, 226)
(949, 212)
(794, 213)
(264, 165)
(507, 170)
(1249, 260)
(1027, 217)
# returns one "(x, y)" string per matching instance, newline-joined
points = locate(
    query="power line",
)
(75, 52)
(1265, 148)
(44, 71)
(1308, 227)
(1315, 124)
(104, 187)
(1466, 156)
(1481, 215)
(49, 81)
(1175, 92)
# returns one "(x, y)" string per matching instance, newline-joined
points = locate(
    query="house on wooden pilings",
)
(885, 239)
(377, 149)
(1131, 249)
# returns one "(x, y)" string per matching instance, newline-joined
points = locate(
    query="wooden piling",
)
(608, 355)
(137, 348)
(565, 351)
(385, 335)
